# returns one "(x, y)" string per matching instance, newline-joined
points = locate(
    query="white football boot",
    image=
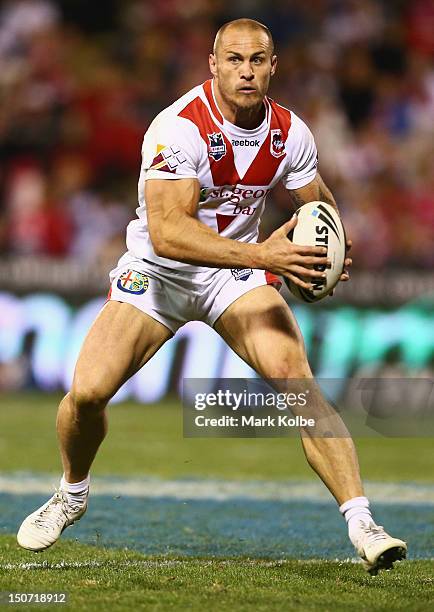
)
(43, 527)
(377, 548)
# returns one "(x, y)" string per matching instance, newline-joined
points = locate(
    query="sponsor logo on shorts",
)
(217, 146)
(277, 148)
(241, 274)
(168, 158)
(132, 281)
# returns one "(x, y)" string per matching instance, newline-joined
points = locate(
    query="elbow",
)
(161, 244)
(160, 249)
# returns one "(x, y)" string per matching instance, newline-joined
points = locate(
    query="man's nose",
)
(247, 72)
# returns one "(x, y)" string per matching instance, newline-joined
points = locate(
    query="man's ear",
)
(273, 64)
(212, 64)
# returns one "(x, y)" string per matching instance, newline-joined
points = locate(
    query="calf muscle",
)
(121, 340)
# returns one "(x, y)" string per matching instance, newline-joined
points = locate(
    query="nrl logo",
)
(277, 148)
(242, 274)
(217, 146)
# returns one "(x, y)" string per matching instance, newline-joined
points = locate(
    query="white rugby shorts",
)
(173, 298)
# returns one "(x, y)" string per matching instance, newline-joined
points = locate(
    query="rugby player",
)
(208, 162)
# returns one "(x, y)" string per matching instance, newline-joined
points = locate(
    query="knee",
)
(292, 363)
(293, 367)
(88, 399)
(290, 371)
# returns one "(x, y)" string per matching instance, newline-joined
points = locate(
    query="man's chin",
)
(246, 101)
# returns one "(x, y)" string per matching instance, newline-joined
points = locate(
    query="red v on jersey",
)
(234, 168)
(264, 167)
(267, 160)
(223, 221)
(223, 170)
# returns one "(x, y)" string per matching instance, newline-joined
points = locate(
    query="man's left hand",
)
(345, 276)
(347, 263)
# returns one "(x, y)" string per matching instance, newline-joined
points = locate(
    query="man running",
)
(208, 163)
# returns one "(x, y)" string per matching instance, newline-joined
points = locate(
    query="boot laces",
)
(57, 510)
(374, 532)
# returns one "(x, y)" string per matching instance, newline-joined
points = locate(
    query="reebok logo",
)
(245, 143)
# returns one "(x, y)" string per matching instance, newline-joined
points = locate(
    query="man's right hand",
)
(295, 262)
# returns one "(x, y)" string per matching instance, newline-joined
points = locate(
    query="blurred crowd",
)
(81, 81)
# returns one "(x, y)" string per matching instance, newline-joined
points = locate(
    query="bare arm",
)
(177, 234)
(313, 191)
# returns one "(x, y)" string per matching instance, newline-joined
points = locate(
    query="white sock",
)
(77, 491)
(355, 511)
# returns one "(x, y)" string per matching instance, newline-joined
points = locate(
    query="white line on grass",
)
(219, 490)
(152, 563)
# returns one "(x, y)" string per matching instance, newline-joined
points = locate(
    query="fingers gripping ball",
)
(319, 225)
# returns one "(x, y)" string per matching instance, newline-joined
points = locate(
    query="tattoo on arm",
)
(296, 199)
(325, 195)
(316, 190)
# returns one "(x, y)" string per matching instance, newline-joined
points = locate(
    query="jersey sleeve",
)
(170, 149)
(301, 154)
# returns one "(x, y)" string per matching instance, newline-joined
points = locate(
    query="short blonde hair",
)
(249, 24)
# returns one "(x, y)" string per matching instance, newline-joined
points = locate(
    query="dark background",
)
(80, 82)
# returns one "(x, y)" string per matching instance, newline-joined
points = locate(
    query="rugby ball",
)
(319, 225)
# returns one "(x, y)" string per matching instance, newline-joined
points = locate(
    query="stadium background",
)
(78, 87)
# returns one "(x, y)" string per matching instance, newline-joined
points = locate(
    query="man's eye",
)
(234, 60)
(258, 60)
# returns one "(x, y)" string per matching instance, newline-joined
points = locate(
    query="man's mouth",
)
(247, 89)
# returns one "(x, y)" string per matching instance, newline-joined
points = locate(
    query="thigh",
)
(154, 291)
(225, 287)
(261, 329)
(121, 340)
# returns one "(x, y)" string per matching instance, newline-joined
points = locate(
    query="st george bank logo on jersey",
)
(216, 146)
(233, 193)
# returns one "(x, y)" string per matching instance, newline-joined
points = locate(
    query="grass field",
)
(148, 440)
(218, 523)
(122, 580)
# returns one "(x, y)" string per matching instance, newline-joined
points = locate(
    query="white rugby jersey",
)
(236, 168)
